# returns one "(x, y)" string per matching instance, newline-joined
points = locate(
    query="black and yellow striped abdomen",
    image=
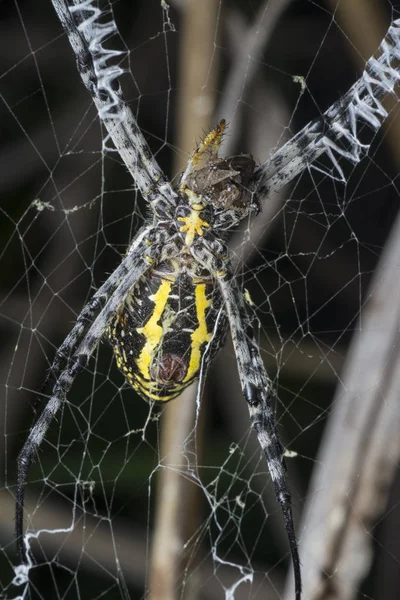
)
(161, 332)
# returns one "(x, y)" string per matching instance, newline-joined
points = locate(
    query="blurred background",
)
(315, 261)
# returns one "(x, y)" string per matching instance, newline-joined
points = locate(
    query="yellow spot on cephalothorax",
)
(193, 224)
(201, 335)
(152, 330)
(193, 198)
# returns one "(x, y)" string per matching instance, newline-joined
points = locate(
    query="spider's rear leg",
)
(88, 313)
(35, 438)
(257, 390)
(66, 349)
(135, 265)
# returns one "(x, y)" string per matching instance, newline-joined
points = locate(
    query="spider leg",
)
(88, 313)
(336, 132)
(140, 265)
(257, 390)
(87, 31)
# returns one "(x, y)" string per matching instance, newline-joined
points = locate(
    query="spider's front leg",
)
(140, 258)
(257, 390)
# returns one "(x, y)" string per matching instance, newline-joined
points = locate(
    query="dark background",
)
(308, 278)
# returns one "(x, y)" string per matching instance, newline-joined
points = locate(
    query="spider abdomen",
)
(162, 330)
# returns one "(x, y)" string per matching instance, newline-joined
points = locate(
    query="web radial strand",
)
(100, 76)
(337, 132)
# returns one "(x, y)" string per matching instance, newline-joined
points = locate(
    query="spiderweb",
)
(320, 266)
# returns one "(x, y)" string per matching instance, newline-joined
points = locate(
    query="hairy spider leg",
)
(140, 262)
(88, 313)
(257, 390)
(211, 141)
(101, 80)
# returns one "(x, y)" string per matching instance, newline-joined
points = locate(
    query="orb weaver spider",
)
(167, 306)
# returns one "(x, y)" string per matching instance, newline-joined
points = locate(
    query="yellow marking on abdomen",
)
(148, 395)
(152, 330)
(200, 335)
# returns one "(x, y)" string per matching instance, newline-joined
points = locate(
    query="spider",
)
(168, 305)
(166, 309)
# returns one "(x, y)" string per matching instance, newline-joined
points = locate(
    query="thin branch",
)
(246, 62)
